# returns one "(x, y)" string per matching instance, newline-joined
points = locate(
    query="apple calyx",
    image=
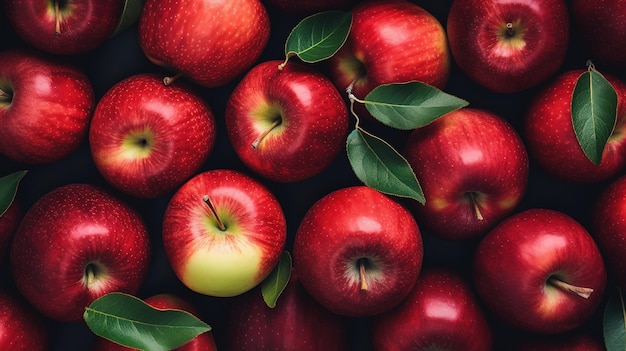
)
(583, 292)
(171, 79)
(362, 262)
(257, 141)
(220, 224)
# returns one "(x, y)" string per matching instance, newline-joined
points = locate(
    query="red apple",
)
(147, 138)
(441, 313)
(45, 107)
(600, 26)
(286, 124)
(508, 46)
(64, 27)
(540, 270)
(358, 252)
(21, 327)
(297, 322)
(576, 340)
(223, 232)
(75, 244)
(9, 221)
(202, 342)
(551, 139)
(210, 42)
(609, 228)
(309, 6)
(391, 41)
(473, 169)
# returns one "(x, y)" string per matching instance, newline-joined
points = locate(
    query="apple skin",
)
(84, 25)
(147, 138)
(47, 115)
(216, 262)
(21, 327)
(441, 312)
(552, 142)
(600, 25)
(313, 121)
(504, 62)
(465, 160)
(9, 221)
(609, 228)
(202, 342)
(310, 6)
(356, 227)
(210, 42)
(391, 41)
(70, 232)
(297, 322)
(514, 265)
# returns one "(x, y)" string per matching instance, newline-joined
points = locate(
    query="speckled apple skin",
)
(21, 327)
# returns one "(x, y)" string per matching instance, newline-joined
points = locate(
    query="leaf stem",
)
(220, 224)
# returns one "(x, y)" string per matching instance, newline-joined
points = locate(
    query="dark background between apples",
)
(121, 57)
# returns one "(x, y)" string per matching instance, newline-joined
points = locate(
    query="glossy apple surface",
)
(441, 313)
(297, 322)
(75, 244)
(228, 254)
(541, 271)
(600, 26)
(508, 46)
(295, 116)
(473, 169)
(21, 327)
(358, 252)
(147, 138)
(210, 42)
(551, 139)
(391, 41)
(77, 27)
(45, 107)
(609, 228)
(202, 342)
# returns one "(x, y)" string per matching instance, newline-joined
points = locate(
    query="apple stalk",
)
(57, 18)
(472, 198)
(578, 290)
(260, 138)
(171, 79)
(220, 224)
(363, 275)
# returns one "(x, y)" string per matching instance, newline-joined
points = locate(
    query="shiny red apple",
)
(75, 244)
(473, 169)
(147, 138)
(21, 327)
(286, 124)
(508, 46)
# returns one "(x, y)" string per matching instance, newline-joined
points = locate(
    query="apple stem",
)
(474, 202)
(4, 94)
(90, 275)
(509, 29)
(362, 274)
(57, 19)
(257, 141)
(580, 291)
(171, 79)
(220, 224)
(352, 99)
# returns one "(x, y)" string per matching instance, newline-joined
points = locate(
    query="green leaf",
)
(8, 189)
(275, 283)
(378, 165)
(131, 322)
(614, 322)
(130, 15)
(410, 105)
(594, 112)
(319, 36)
